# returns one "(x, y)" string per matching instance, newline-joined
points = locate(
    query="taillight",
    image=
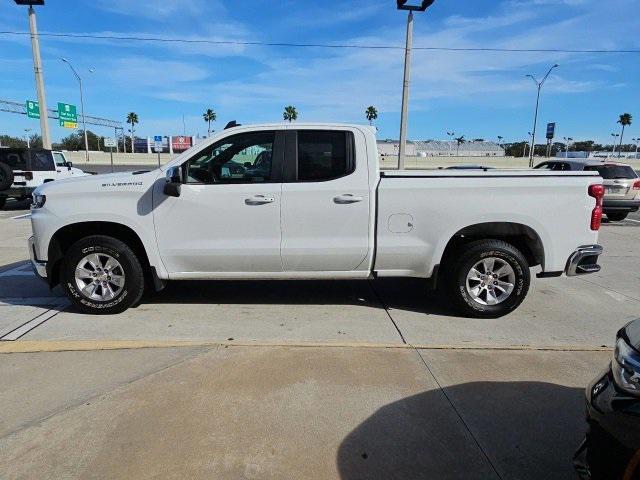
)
(597, 192)
(636, 185)
(28, 175)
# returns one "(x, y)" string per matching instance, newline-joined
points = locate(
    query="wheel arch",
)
(66, 236)
(521, 236)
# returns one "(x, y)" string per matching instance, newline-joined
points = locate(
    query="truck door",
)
(227, 217)
(325, 201)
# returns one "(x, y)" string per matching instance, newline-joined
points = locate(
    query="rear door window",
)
(324, 155)
(555, 166)
(612, 172)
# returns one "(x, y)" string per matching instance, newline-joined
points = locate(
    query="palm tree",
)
(132, 118)
(371, 113)
(290, 113)
(460, 140)
(209, 116)
(624, 120)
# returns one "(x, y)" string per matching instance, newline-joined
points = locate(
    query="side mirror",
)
(174, 182)
(69, 165)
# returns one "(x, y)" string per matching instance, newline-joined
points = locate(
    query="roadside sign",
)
(66, 124)
(33, 109)
(551, 130)
(67, 113)
(109, 142)
(157, 143)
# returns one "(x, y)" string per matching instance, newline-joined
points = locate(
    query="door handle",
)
(259, 200)
(346, 199)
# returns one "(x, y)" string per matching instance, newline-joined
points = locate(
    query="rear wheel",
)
(3, 200)
(6, 176)
(489, 279)
(617, 216)
(102, 275)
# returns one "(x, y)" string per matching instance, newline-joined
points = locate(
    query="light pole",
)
(539, 85)
(26, 134)
(84, 123)
(524, 150)
(500, 137)
(402, 5)
(568, 140)
(451, 135)
(637, 140)
(37, 68)
(615, 139)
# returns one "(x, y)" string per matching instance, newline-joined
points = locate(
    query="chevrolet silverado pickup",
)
(308, 201)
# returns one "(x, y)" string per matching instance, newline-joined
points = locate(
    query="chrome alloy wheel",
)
(100, 277)
(490, 281)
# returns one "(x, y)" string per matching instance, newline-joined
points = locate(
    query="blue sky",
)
(475, 94)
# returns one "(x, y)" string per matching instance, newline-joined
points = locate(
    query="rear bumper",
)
(620, 205)
(584, 260)
(17, 192)
(39, 267)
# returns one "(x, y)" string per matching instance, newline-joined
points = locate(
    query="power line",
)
(319, 45)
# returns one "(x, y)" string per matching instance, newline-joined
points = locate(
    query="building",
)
(437, 148)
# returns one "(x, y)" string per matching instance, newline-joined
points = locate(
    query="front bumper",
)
(39, 267)
(620, 205)
(611, 445)
(584, 260)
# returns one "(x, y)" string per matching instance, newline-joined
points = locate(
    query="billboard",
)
(551, 130)
(180, 144)
(141, 145)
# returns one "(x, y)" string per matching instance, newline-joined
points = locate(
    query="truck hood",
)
(101, 183)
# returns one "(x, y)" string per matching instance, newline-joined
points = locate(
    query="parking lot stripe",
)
(33, 346)
(632, 220)
(31, 324)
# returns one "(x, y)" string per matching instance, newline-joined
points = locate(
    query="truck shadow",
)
(524, 429)
(400, 294)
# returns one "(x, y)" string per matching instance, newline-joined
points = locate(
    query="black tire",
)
(133, 282)
(469, 255)
(3, 200)
(617, 216)
(6, 176)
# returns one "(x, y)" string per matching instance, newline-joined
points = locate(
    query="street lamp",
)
(524, 150)
(37, 68)
(402, 5)
(26, 134)
(637, 140)
(451, 134)
(615, 139)
(500, 137)
(568, 140)
(539, 85)
(84, 123)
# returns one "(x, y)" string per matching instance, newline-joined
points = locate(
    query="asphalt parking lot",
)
(303, 379)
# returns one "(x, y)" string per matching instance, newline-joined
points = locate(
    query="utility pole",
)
(402, 5)
(613, 151)
(539, 85)
(637, 140)
(84, 124)
(37, 68)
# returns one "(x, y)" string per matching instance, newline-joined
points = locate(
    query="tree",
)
(132, 118)
(459, 141)
(624, 120)
(209, 116)
(371, 113)
(12, 142)
(290, 113)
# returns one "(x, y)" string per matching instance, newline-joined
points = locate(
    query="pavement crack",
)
(386, 309)
(458, 414)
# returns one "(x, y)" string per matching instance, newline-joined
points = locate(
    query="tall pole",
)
(533, 133)
(84, 123)
(405, 92)
(37, 68)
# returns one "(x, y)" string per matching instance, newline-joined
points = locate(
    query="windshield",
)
(611, 172)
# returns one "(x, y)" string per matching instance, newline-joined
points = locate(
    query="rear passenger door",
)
(325, 201)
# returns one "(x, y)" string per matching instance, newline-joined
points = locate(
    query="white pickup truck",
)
(307, 201)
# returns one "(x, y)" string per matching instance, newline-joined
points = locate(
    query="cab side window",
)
(242, 158)
(324, 155)
(41, 161)
(59, 158)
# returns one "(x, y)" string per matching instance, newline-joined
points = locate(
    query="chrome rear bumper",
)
(584, 260)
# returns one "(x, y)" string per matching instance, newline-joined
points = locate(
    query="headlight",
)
(626, 368)
(38, 200)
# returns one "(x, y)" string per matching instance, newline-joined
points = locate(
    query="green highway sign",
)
(33, 109)
(67, 113)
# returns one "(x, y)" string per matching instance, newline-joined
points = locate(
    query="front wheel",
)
(617, 216)
(102, 275)
(489, 279)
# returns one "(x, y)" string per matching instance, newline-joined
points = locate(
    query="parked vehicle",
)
(611, 448)
(321, 210)
(621, 184)
(22, 170)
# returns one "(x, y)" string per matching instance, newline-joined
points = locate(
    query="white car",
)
(22, 170)
(315, 207)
